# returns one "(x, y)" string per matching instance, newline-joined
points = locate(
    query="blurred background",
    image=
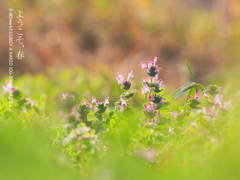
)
(104, 37)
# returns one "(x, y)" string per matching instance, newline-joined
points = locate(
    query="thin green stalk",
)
(25, 118)
(150, 92)
(87, 123)
(132, 107)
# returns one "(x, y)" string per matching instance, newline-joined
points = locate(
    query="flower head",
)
(145, 89)
(100, 106)
(8, 88)
(64, 95)
(174, 113)
(151, 69)
(125, 84)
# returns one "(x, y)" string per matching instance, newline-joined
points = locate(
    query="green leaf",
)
(201, 87)
(165, 111)
(7, 114)
(191, 93)
(112, 122)
(167, 97)
(165, 105)
(182, 92)
(190, 69)
(181, 89)
(163, 89)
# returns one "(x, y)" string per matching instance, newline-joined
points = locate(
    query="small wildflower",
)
(125, 84)
(145, 89)
(100, 106)
(8, 88)
(170, 130)
(228, 105)
(174, 113)
(196, 96)
(151, 69)
(64, 95)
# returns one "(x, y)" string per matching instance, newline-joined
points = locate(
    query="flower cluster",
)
(153, 89)
(126, 85)
(8, 88)
(194, 103)
(151, 69)
(215, 103)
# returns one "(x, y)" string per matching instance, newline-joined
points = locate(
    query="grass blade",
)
(190, 69)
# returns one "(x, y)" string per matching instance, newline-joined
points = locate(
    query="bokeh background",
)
(104, 37)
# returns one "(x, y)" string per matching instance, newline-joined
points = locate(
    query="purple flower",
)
(8, 88)
(218, 100)
(174, 113)
(123, 102)
(95, 108)
(64, 95)
(149, 107)
(98, 103)
(87, 103)
(210, 111)
(106, 101)
(145, 89)
(205, 95)
(219, 89)
(204, 111)
(151, 69)
(120, 78)
(196, 96)
(228, 105)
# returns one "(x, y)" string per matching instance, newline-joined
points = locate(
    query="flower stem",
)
(87, 123)
(162, 130)
(159, 115)
(160, 118)
(25, 118)
(149, 92)
(132, 107)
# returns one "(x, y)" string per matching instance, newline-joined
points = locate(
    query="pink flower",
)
(219, 89)
(130, 75)
(106, 101)
(87, 103)
(218, 100)
(196, 96)
(204, 111)
(153, 121)
(8, 88)
(174, 113)
(120, 78)
(170, 130)
(210, 111)
(150, 64)
(205, 95)
(149, 107)
(95, 108)
(74, 110)
(65, 94)
(97, 102)
(123, 102)
(228, 105)
(145, 89)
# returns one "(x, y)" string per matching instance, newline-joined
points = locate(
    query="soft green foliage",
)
(37, 143)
